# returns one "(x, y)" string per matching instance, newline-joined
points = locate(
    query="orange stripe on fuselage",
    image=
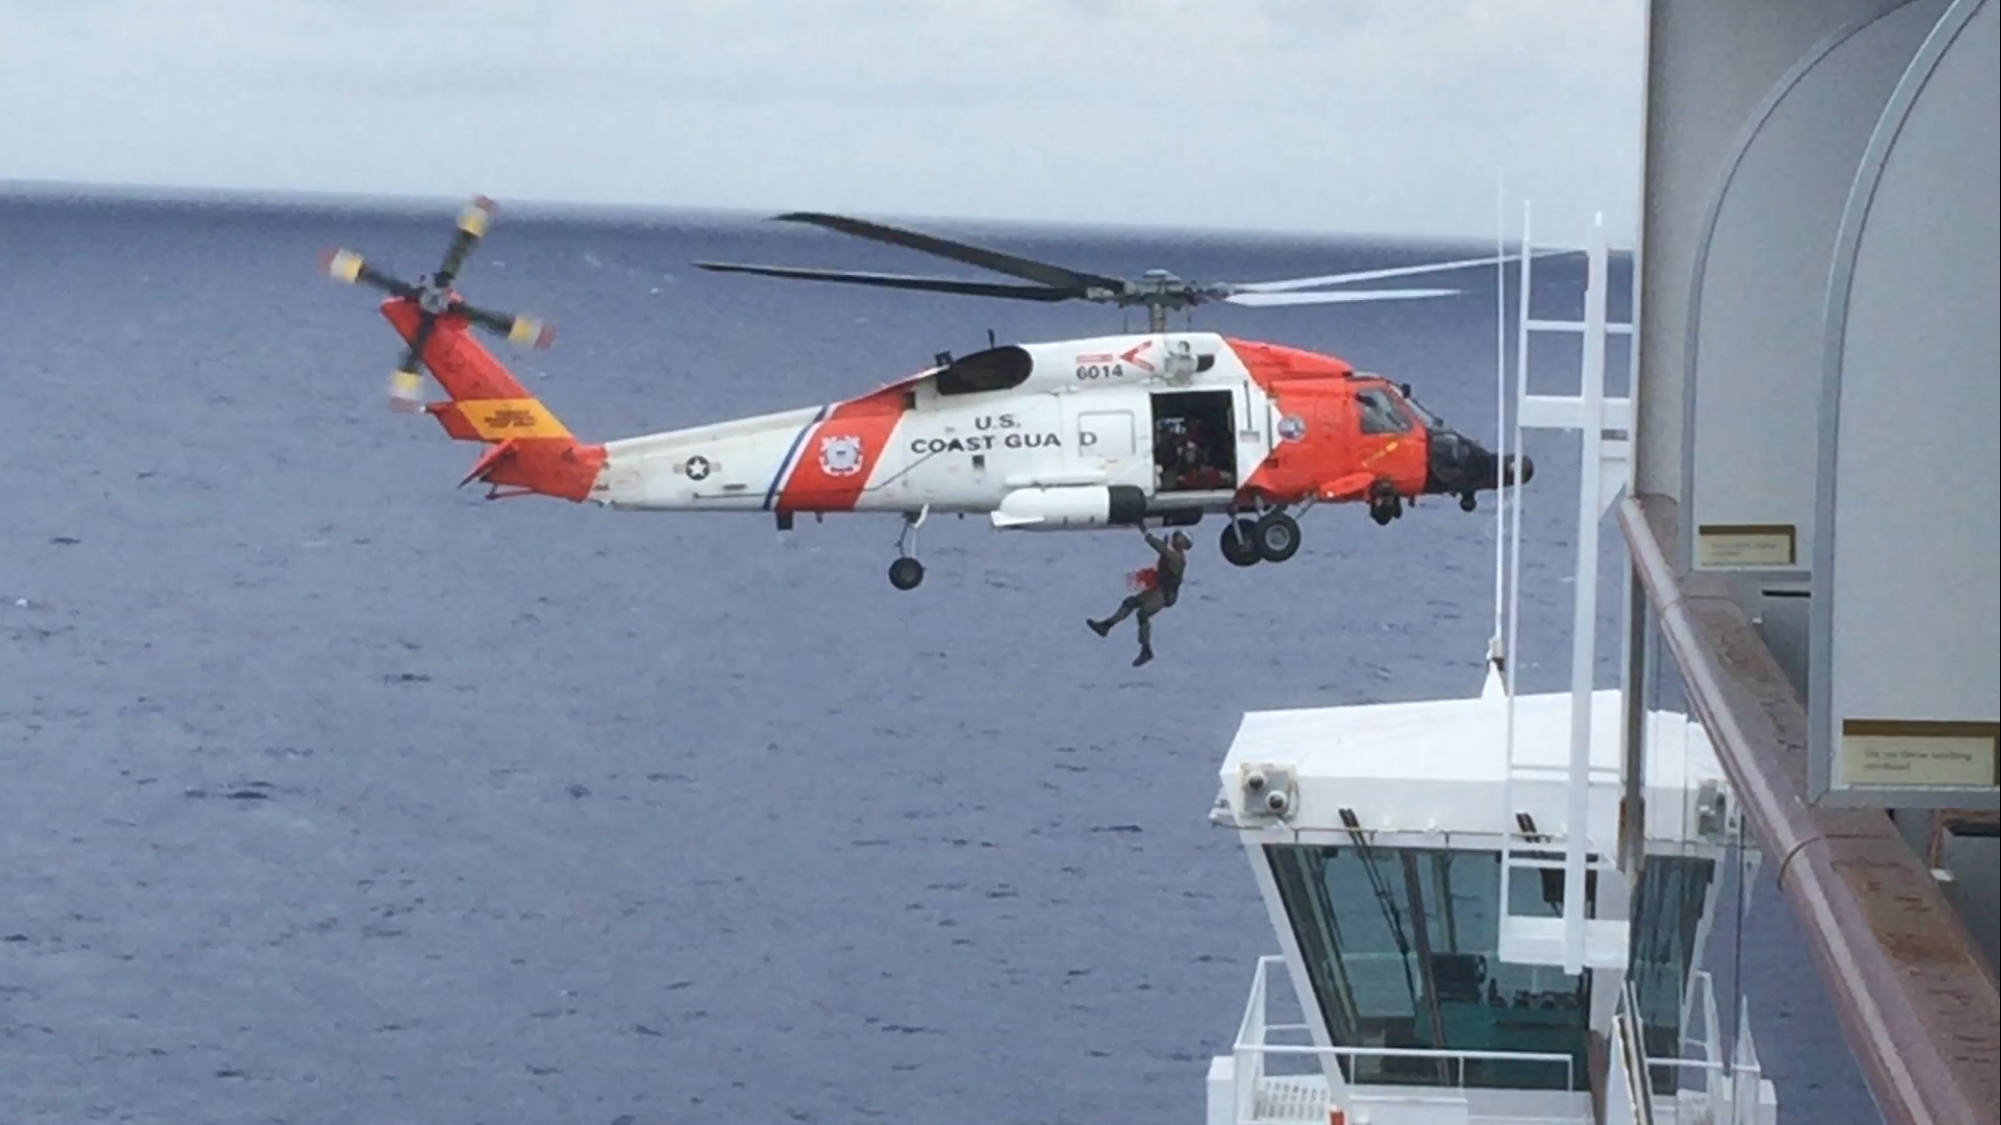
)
(1310, 389)
(841, 452)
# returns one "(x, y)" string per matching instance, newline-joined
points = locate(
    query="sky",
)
(1340, 116)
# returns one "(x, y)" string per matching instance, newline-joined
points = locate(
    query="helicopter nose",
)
(1518, 470)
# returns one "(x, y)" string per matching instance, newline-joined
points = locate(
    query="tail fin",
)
(532, 451)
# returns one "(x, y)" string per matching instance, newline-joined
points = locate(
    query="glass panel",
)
(996, 369)
(1424, 417)
(1379, 414)
(1401, 946)
(1667, 908)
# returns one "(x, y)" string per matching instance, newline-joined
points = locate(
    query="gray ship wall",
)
(1750, 446)
(1815, 513)
(1818, 361)
(1709, 68)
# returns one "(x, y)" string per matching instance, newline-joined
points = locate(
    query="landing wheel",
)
(906, 573)
(1468, 502)
(1240, 542)
(1277, 537)
(1383, 509)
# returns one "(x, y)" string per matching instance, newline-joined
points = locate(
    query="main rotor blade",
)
(1010, 264)
(905, 281)
(1377, 275)
(1337, 297)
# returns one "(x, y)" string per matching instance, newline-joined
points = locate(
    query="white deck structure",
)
(1456, 915)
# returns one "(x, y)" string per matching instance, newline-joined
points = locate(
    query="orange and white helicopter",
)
(1147, 429)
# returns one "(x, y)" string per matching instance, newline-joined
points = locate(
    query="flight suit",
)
(1168, 573)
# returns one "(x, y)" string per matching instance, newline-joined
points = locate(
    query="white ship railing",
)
(1629, 1095)
(1292, 1081)
(1745, 1073)
(1707, 1053)
(1264, 1098)
(1713, 1090)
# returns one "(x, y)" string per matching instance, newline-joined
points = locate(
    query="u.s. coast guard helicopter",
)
(1154, 428)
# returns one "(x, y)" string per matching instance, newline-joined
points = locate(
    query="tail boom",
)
(532, 451)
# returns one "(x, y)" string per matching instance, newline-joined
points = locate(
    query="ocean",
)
(334, 793)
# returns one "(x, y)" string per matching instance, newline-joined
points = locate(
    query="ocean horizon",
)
(641, 215)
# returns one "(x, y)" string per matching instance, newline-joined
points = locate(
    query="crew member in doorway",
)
(1160, 587)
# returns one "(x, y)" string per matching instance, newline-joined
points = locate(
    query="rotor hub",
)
(432, 297)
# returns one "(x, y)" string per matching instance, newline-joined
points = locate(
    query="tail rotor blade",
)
(432, 297)
(352, 268)
(408, 379)
(473, 222)
(519, 330)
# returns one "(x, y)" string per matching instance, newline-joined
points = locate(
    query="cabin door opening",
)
(1195, 440)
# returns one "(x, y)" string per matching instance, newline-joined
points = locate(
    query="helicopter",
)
(1153, 429)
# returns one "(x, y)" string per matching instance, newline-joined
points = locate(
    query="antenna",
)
(1527, 254)
(1513, 512)
(1497, 653)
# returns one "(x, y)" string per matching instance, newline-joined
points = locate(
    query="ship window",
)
(1401, 945)
(1669, 902)
(996, 369)
(1379, 414)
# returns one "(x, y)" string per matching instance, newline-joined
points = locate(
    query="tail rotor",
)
(433, 296)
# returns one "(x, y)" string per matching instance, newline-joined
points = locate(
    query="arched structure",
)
(1769, 227)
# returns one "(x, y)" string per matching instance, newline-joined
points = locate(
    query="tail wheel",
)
(1277, 537)
(1240, 542)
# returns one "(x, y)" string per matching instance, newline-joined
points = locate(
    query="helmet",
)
(1180, 539)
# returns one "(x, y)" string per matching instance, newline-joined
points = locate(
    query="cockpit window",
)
(1425, 417)
(996, 369)
(1379, 412)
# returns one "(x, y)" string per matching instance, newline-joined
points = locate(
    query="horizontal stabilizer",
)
(491, 460)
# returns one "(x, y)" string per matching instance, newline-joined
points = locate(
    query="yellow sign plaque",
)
(1908, 754)
(1747, 546)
